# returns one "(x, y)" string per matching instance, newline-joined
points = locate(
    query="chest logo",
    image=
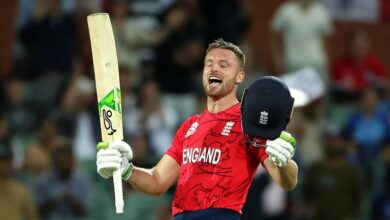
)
(263, 118)
(192, 129)
(228, 128)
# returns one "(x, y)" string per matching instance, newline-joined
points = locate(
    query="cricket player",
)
(214, 156)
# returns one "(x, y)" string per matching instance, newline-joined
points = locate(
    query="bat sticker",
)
(112, 102)
(107, 122)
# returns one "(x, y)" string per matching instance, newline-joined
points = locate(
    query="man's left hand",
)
(282, 149)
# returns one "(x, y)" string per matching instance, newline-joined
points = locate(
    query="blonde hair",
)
(222, 44)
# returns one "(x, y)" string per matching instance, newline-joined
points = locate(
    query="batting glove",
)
(282, 149)
(113, 156)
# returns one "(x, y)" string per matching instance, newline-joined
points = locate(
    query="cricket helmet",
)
(266, 108)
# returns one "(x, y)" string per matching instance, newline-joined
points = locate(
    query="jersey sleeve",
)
(259, 150)
(176, 148)
(261, 154)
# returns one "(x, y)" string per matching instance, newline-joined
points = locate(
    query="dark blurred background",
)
(49, 124)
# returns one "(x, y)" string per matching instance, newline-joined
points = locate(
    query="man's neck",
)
(221, 104)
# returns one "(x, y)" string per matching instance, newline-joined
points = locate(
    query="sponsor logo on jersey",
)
(228, 128)
(263, 118)
(192, 129)
(205, 155)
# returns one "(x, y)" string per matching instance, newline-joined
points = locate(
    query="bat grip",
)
(118, 191)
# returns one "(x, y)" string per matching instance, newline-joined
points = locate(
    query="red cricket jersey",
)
(216, 166)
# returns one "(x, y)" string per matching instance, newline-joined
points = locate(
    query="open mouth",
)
(214, 80)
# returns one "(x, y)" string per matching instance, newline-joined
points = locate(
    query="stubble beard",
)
(218, 91)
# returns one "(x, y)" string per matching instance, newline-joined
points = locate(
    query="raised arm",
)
(118, 155)
(280, 166)
(157, 180)
(286, 176)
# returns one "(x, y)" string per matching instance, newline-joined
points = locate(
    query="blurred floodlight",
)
(307, 83)
(300, 98)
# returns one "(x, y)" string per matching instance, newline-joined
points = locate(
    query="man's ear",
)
(240, 77)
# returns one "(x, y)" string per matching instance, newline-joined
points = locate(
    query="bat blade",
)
(105, 65)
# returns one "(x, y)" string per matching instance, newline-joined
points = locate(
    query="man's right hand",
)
(113, 156)
(282, 149)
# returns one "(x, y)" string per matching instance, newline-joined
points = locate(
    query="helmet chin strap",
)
(256, 142)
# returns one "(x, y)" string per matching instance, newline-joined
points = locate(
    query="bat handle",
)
(118, 191)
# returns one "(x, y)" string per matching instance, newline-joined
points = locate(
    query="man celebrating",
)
(214, 156)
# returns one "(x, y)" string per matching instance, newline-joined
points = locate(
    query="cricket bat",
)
(108, 90)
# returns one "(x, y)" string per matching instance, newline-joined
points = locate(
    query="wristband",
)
(128, 172)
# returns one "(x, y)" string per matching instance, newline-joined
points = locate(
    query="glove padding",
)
(281, 150)
(113, 156)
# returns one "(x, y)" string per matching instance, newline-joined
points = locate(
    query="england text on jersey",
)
(206, 155)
